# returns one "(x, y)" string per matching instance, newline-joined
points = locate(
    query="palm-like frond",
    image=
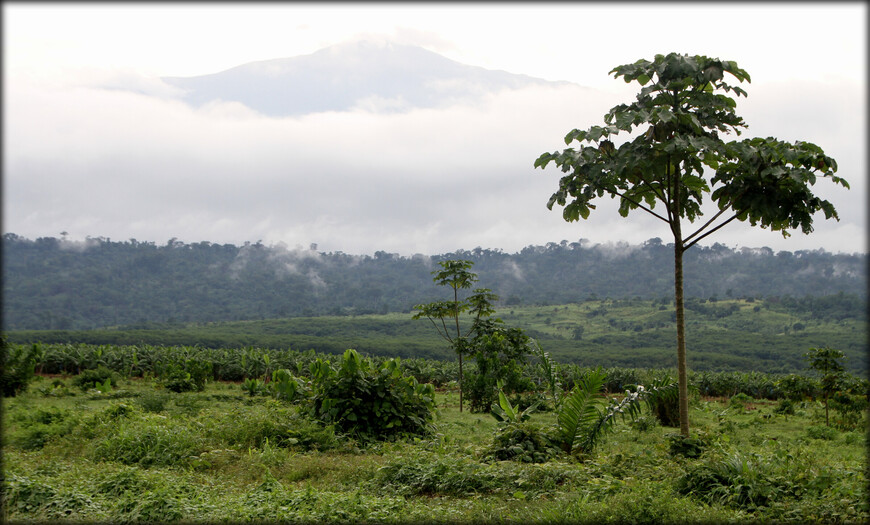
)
(579, 412)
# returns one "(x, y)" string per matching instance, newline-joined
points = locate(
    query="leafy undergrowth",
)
(220, 455)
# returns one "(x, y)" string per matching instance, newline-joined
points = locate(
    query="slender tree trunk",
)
(827, 423)
(458, 342)
(681, 337)
(460, 382)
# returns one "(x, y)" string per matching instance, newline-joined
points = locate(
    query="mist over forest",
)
(51, 283)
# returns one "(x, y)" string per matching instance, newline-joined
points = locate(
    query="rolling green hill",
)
(763, 335)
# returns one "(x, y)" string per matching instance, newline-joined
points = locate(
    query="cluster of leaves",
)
(498, 351)
(583, 415)
(18, 366)
(371, 403)
(100, 378)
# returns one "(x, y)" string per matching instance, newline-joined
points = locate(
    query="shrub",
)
(40, 426)
(372, 403)
(784, 407)
(189, 376)
(277, 424)
(153, 402)
(148, 442)
(254, 387)
(96, 376)
(822, 432)
(18, 366)
(739, 401)
(525, 442)
(689, 447)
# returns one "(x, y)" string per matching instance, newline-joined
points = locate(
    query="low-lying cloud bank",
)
(119, 164)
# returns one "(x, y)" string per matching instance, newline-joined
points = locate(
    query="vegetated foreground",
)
(138, 438)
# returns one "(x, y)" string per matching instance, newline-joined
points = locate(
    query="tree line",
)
(53, 283)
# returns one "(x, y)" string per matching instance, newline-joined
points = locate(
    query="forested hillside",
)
(51, 283)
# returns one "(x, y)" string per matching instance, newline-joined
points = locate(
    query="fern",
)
(551, 373)
(579, 419)
(581, 423)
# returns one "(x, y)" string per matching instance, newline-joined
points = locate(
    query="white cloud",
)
(110, 163)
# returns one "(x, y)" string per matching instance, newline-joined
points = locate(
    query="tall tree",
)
(676, 118)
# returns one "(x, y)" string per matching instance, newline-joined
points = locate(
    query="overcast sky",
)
(96, 162)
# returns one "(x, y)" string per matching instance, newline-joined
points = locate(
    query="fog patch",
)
(77, 246)
(513, 269)
(617, 250)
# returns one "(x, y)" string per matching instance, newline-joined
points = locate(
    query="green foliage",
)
(276, 424)
(688, 447)
(285, 387)
(95, 378)
(822, 432)
(35, 429)
(665, 408)
(154, 402)
(253, 386)
(189, 375)
(850, 409)
(371, 403)
(740, 401)
(18, 366)
(422, 474)
(827, 362)
(582, 421)
(518, 440)
(149, 442)
(504, 412)
(681, 113)
(44, 501)
(499, 354)
(498, 351)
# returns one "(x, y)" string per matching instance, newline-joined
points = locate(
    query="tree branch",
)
(711, 231)
(699, 230)
(639, 205)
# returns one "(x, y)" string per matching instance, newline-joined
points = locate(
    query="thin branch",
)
(639, 205)
(711, 231)
(656, 191)
(723, 210)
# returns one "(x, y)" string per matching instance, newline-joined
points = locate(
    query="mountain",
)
(381, 77)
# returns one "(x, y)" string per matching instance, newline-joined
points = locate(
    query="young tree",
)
(827, 361)
(457, 275)
(677, 118)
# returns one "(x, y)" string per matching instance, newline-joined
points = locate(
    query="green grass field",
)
(140, 453)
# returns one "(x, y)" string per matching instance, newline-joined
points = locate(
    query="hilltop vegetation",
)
(51, 283)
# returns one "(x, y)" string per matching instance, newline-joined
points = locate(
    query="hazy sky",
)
(91, 161)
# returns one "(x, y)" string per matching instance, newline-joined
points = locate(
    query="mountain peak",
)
(365, 73)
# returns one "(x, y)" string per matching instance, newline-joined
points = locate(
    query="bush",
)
(372, 403)
(525, 442)
(18, 366)
(277, 424)
(822, 432)
(739, 401)
(147, 443)
(189, 376)
(689, 447)
(153, 402)
(91, 378)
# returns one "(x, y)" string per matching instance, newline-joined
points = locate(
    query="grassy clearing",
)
(139, 453)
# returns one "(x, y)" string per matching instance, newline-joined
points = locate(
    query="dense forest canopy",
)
(51, 283)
